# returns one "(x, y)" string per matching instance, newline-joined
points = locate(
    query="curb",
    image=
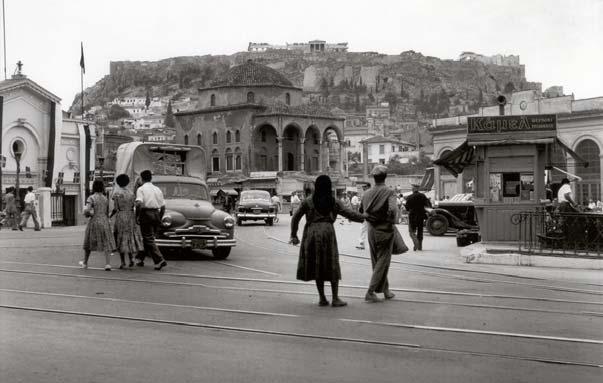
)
(478, 253)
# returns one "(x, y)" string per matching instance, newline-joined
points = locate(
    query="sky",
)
(560, 42)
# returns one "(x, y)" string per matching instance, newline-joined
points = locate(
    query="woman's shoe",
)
(131, 264)
(389, 295)
(323, 302)
(83, 265)
(338, 303)
(122, 266)
(107, 267)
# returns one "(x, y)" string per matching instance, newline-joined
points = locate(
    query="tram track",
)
(343, 286)
(319, 337)
(410, 266)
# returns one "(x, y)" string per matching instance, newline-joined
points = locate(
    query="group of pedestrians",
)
(16, 220)
(319, 254)
(137, 217)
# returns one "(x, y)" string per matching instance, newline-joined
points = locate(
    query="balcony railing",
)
(562, 234)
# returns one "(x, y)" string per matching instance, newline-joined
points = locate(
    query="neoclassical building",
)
(253, 120)
(579, 126)
(54, 152)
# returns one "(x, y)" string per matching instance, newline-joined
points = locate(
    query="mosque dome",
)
(252, 74)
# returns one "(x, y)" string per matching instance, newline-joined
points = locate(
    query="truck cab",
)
(190, 220)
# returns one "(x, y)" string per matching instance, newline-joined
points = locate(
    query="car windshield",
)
(254, 195)
(174, 190)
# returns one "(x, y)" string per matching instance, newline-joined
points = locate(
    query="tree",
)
(392, 99)
(116, 112)
(147, 102)
(509, 88)
(324, 88)
(169, 116)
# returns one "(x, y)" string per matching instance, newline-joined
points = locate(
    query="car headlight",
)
(166, 221)
(229, 222)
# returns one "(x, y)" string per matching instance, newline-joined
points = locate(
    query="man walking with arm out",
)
(150, 207)
(379, 206)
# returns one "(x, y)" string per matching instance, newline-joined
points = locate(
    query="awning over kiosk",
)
(456, 160)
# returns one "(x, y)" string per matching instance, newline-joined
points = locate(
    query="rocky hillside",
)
(415, 86)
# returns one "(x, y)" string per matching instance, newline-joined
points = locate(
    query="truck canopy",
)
(161, 159)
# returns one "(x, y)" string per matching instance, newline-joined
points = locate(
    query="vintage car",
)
(190, 220)
(255, 205)
(455, 213)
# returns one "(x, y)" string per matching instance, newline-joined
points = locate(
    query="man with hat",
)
(379, 206)
(415, 205)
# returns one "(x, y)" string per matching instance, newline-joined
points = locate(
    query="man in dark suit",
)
(415, 205)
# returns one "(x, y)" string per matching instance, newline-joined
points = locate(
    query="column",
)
(571, 168)
(437, 186)
(44, 207)
(600, 196)
(342, 157)
(302, 164)
(365, 160)
(320, 155)
(280, 153)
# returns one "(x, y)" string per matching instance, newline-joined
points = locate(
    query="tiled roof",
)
(252, 73)
(381, 139)
(311, 109)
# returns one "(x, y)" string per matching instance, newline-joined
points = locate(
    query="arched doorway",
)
(265, 149)
(312, 149)
(590, 186)
(291, 148)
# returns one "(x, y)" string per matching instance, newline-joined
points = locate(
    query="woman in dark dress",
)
(318, 253)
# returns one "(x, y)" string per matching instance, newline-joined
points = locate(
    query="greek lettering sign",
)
(512, 124)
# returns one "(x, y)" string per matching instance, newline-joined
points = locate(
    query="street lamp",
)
(101, 166)
(18, 149)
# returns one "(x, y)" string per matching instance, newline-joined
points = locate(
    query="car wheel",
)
(221, 252)
(437, 225)
(269, 221)
(239, 222)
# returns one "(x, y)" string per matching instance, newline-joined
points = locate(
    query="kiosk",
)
(510, 156)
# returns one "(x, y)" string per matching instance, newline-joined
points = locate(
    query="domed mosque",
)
(258, 134)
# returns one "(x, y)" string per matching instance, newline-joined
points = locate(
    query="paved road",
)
(247, 319)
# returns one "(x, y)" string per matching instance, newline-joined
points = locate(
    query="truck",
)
(190, 221)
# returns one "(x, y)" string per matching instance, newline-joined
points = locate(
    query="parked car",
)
(190, 220)
(255, 205)
(455, 213)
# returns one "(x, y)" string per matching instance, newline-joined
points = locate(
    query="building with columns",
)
(44, 148)
(579, 125)
(253, 126)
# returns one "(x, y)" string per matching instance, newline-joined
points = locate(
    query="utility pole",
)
(4, 35)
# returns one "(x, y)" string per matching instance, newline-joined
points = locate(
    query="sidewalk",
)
(443, 251)
(508, 254)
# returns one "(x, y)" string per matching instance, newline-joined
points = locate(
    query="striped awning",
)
(456, 160)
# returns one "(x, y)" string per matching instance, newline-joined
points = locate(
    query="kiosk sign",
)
(512, 124)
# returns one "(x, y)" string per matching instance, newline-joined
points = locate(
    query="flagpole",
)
(82, 77)
(4, 36)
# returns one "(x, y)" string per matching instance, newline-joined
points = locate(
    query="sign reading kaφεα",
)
(512, 124)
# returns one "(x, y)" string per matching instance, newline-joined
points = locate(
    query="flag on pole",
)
(82, 65)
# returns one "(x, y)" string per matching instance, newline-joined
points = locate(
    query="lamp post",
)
(101, 167)
(18, 148)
